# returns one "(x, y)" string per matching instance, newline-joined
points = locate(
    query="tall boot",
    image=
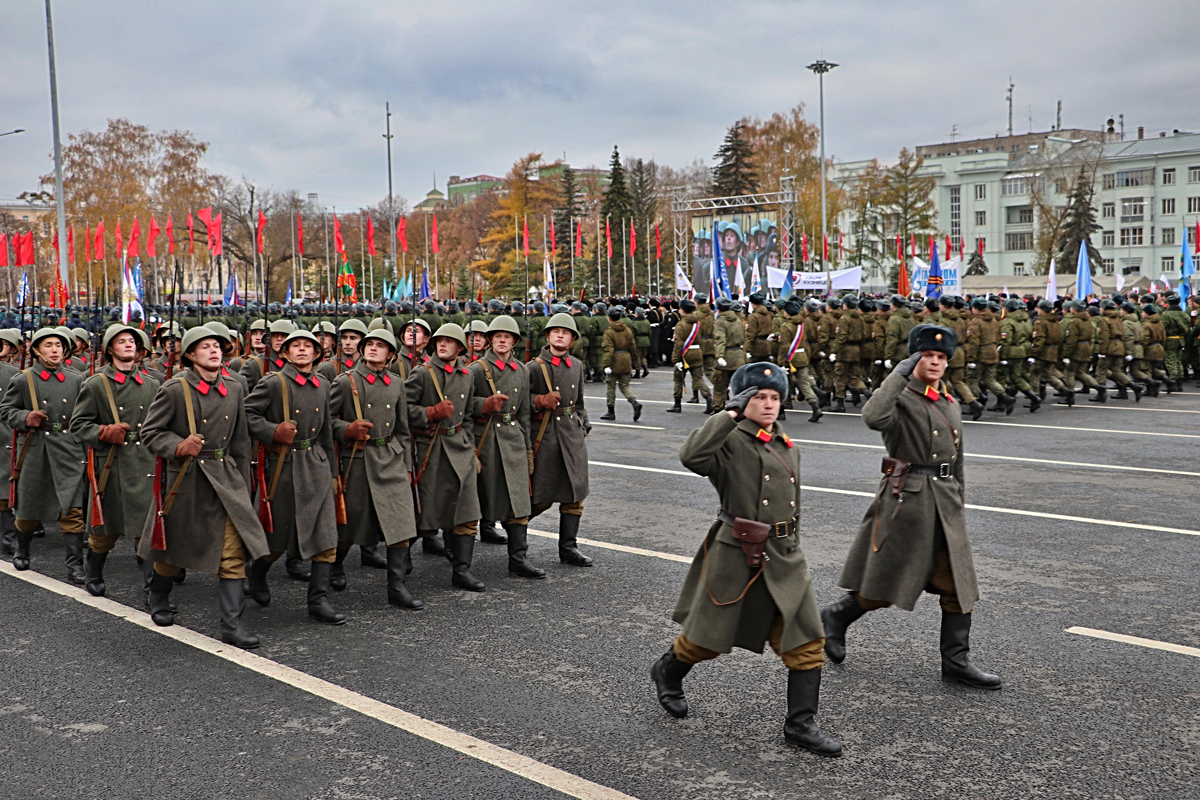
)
(8, 522)
(1152, 389)
(462, 548)
(1067, 395)
(816, 409)
(337, 576)
(399, 564)
(73, 545)
(372, 556)
(1010, 402)
(708, 405)
(855, 396)
(695, 396)
(160, 600)
(999, 405)
(976, 409)
(21, 557)
(839, 405)
(297, 570)
(637, 409)
(147, 568)
(837, 617)
(318, 595)
(491, 533)
(1101, 396)
(956, 646)
(233, 603)
(675, 409)
(93, 570)
(256, 581)
(612, 413)
(568, 547)
(179, 577)
(803, 696)
(1035, 402)
(431, 545)
(1138, 391)
(668, 674)
(824, 398)
(518, 553)
(1122, 393)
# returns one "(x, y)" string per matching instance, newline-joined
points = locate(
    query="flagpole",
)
(608, 250)
(599, 273)
(624, 261)
(573, 223)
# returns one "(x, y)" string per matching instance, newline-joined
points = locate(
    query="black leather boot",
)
(1138, 391)
(675, 409)
(233, 603)
(1035, 402)
(695, 396)
(803, 695)
(160, 600)
(256, 581)
(179, 577)
(93, 570)
(637, 409)
(839, 405)
(147, 568)
(431, 545)
(837, 617)
(337, 576)
(21, 557)
(568, 547)
(999, 405)
(956, 646)
(816, 415)
(708, 405)
(855, 397)
(399, 564)
(8, 522)
(297, 569)
(1010, 403)
(824, 398)
(372, 556)
(73, 545)
(1122, 393)
(612, 413)
(976, 409)
(462, 549)
(518, 553)
(1101, 396)
(318, 595)
(1067, 395)
(668, 674)
(491, 533)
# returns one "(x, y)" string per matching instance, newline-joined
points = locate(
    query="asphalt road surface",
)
(540, 688)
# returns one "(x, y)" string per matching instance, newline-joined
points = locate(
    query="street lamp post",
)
(10, 133)
(820, 68)
(58, 172)
(391, 203)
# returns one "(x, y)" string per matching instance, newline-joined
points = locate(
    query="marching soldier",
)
(1047, 335)
(560, 465)
(441, 397)
(847, 340)
(109, 415)
(796, 339)
(271, 359)
(758, 328)
(1110, 347)
(729, 346)
(1154, 337)
(1015, 332)
(641, 334)
(49, 468)
(299, 470)
(749, 582)
(1177, 328)
(599, 324)
(503, 444)
(10, 345)
(983, 353)
(414, 336)
(913, 538)
(617, 361)
(327, 334)
(704, 313)
(1077, 349)
(688, 357)
(1135, 354)
(196, 425)
(900, 323)
(826, 331)
(370, 420)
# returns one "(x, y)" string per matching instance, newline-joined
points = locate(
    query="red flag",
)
(1197, 237)
(961, 239)
(479, 297)
(949, 250)
(632, 238)
(170, 231)
(262, 223)
(980, 241)
(71, 244)
(435, 241)
(553, 240)
(54, 243)
(902, 285)
(135, 233)
(608, 236)
(299, 235)
(578, 240)
(803, 247)
(120, 248)
(841, 249)
(401, 229)
(218, 237)
(931, 246)
(191, 234)
(3, 249)
(98, 242)
(525, 235)
(205, 216)
(151, 235)
(339, 246)
(87, 244)
(370, 236)
(824, 248)
(24, 248)
(658, 243)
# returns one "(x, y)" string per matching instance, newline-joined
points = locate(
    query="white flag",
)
(1052, 283)
(682, 283)
(1120, 281)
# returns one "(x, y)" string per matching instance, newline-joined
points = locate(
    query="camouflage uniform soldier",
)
(1047, 335)
(688, 357)
(1177, 328)
(617, 362)
(729, 346)
(983, 336)
(1015, 332)
(796, 338)
(1076, 350)
(1154, 338)
(847, 340)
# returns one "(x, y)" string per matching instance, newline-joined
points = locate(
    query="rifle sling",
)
(191, 420)
(436, 428)
(545, 414)
(16, 470)
(112, 448)
(282, 456)
(487, 426)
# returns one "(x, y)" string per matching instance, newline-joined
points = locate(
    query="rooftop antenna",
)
(953, 132)
(1011, 86)
(1058, 117)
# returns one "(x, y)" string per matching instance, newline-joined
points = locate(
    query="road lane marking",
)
(640, 400)
(1106, 407)
(637, 427)
(522, 766)
(970, 506)
(621, 548)
(1132, 432)
(1153, 644)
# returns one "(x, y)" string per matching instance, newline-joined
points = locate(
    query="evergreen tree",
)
(735, 173)
(569, 209)
(976, 265)
(1078, 225)
(462, 285)
(617, 206)
(644, 195)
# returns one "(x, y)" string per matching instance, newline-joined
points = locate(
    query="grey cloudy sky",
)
(291, 94)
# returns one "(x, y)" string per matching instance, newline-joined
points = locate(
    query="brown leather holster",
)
(897, 471)
(752, 535)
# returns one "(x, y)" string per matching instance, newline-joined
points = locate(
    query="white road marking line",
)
(637, 427)
(1132, 432)
(970, 506)
(637, 551)
(523, 766)
(640, 400)
(1153, 644)
(1020, 458)
(1106, 407)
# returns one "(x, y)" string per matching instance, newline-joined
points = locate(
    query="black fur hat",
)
(932, 337)
(762, 374)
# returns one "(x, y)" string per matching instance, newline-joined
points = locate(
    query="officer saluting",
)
(914, 536)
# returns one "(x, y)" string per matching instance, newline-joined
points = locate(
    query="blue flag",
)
(714, 269)
(933, 287)
(288, 300)
(1187, 268)
(424, 285)
(1083, 273)
(231, 291)
(23, 291)
(789, 282)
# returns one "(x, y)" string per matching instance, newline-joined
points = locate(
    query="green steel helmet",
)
(382, 334)
(219, 329)
(478, 326)
(563, 321)
(111, 334)
(380, 322)
(295, 336)
(194, 336)
(352, 325)
(81, 334)
(324, 327)
(506, 324)
(258, 325)
(165, 329)
(453, 331)
(419, 323)
(46, 333)
(282, 326)
(11, 335)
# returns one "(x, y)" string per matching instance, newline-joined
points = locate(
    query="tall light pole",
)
(820, 68)
(10, 133)
(58, 175)
(391, 207)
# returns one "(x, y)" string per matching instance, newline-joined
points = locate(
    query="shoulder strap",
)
(32, 389)
(487, 373)
(112, 401)
(436, 387)
(187, 405)
(354, 394)
(545, 414)
(780, 458)
(286, 404)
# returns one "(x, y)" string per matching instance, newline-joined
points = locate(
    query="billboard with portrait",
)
(748, 243)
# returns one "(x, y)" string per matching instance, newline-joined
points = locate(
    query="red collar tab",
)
(279, 363)
(371, 379)
(555, 360)
(44, 375)
(932, 394)
(349, 364)
(387, 379)
(300, 379)
(202, 387)
(786, 440)
(119, 376)
(225, 372)
(466, 371)
(138, 378)
(449, 368)
(68, 362)
(500, 365)
(221, 388)
(316, 381)
(61, 376)
(762, 435)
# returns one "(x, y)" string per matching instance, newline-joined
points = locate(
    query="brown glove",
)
(441, 411)
(529, 458)
(114, 434)
(359, 429)
(34, 418)
(547, 402)
(494, 403)
(285, 433)
(191, 446)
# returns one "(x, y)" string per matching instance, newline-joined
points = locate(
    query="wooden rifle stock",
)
(339, 491)
(97, 512)
(12, 473)
(264, 504)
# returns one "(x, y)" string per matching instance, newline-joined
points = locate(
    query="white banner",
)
(843, 279)
(952, 277)
(682, 284)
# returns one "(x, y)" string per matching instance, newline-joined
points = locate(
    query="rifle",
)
(14, 471)
(158, 539)
(97, 510)
(265, 517)
(339, 495)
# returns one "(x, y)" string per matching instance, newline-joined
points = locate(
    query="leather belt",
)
(378, 441)
(781, 530)
(430, 432)
(131, 437)
(506, 418)
(217, 453)
(733, 347)
(940, 470)
(56, 427)
(620, 351)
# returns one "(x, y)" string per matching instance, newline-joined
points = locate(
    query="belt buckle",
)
(131, 436)
(56, 426)
(944, 470)
(219, 453)
(381, 441)
(303, 444)
(453, 429)
(781, 529)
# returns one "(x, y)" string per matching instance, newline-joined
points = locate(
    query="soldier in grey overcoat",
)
(196, 426)
(370, 423)
(301, 491)
(503, 444)
(51, 482)
(914, 535)
(749, 582)
(109, 415)
(559, 427)
(10, 345)
(441, 403)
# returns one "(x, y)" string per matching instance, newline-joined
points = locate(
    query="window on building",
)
(1168, 264)
(1108, 211)
(1131, 237)
(1194, 205)
(1168, 176)
(1019, 215)
(1106, 266)
(980, 219)
(1133, 209)
(1131, 266)
(981, 191)
(1019, 268)
(1020, 240)
(1011, 187)
(1190, 235)
(955, 212)
(1168, 236)
(1129, 178)
(1107, 238)
(1193, 174)
(1168, 206)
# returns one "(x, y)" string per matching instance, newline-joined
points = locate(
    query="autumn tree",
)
(526, 198)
